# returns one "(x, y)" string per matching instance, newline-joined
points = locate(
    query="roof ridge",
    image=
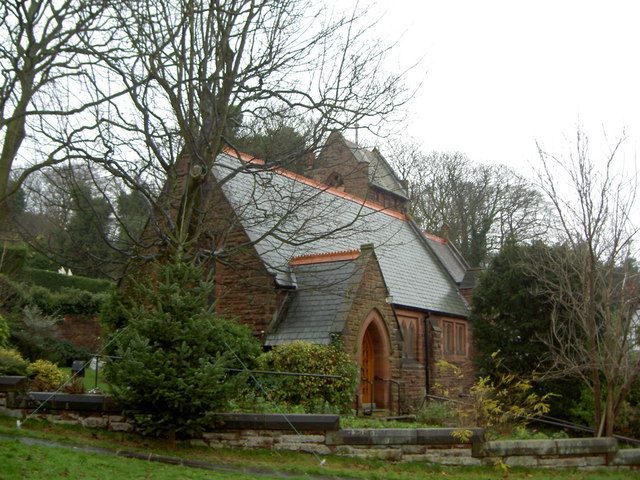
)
(435, 238)
(315, 184)
(326, 257)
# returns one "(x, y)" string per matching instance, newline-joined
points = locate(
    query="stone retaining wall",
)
(436, 446)
(583, 453)
(432, 445)
(321, 434)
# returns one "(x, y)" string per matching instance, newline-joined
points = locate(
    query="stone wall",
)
(336, 158)
(320, 434)
(450, 382)
(583, 453)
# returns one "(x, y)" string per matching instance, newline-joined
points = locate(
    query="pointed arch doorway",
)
(374, 362)
(367, 369)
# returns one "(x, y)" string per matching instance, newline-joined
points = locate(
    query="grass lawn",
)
(38, 462)
(90, 380)
(20, 461)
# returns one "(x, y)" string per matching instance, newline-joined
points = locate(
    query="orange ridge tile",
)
(435, 238)
(325, 257)
(320, 186)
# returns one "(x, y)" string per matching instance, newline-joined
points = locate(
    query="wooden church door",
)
(367, 369)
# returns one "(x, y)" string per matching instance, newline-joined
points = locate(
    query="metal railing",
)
(398, 385)
(556, 422)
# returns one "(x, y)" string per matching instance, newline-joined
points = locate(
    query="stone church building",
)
(332, 258)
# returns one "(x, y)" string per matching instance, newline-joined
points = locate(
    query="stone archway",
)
(375, 368)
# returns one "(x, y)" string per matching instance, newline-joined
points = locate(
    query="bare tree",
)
(44, 69)
(478, 207)
(593, 286)
(193, 68)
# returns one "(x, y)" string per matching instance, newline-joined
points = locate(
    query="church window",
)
(454, 337)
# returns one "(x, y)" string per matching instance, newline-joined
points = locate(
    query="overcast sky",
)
(499, 75)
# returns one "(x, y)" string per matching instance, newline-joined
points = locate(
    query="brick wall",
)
(336, 157)
(444, 379)
(414, 358)
(83, 331)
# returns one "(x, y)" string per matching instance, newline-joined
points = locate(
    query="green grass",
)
(34, 462)
(90, 380)
(38, 462)
(363, 422)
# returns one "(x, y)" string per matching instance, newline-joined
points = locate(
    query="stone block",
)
(120, 427)
(580, 446)
(627, 457)
(563, 462)
(305, 447)
(302, 438)
(257, 442)
(198, 442)
(452, 452)
(452, 460)
(413, 449)
(517, 461)
(95, 422)
(58, 420)
(508, 448)
(346, 450)
(10, 412)
(220, 437)
(596, 461)
(408, 457)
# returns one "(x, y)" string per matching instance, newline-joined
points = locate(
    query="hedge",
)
(56, 282)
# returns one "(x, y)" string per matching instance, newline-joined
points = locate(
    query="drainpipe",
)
(426, 353)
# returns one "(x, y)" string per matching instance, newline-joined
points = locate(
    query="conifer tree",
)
(176, 352)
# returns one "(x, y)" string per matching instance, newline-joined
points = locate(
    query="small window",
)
(454, 341)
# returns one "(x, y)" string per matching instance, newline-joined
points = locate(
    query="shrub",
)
(5, 333)
(75, 386)
(10, 294)
(318, 395)
(499, 404)
(63, 352)
(436, 412)
(66, 301)
(175, 353)
(45, 376)
(56, 282)
(40, 261)
(12, 363)
(32, 331)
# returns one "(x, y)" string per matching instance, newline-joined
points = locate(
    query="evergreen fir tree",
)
(175, 353)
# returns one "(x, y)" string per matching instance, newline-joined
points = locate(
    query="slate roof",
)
(381, 174)
(320, 304)
(450, 257)
(287, 215)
